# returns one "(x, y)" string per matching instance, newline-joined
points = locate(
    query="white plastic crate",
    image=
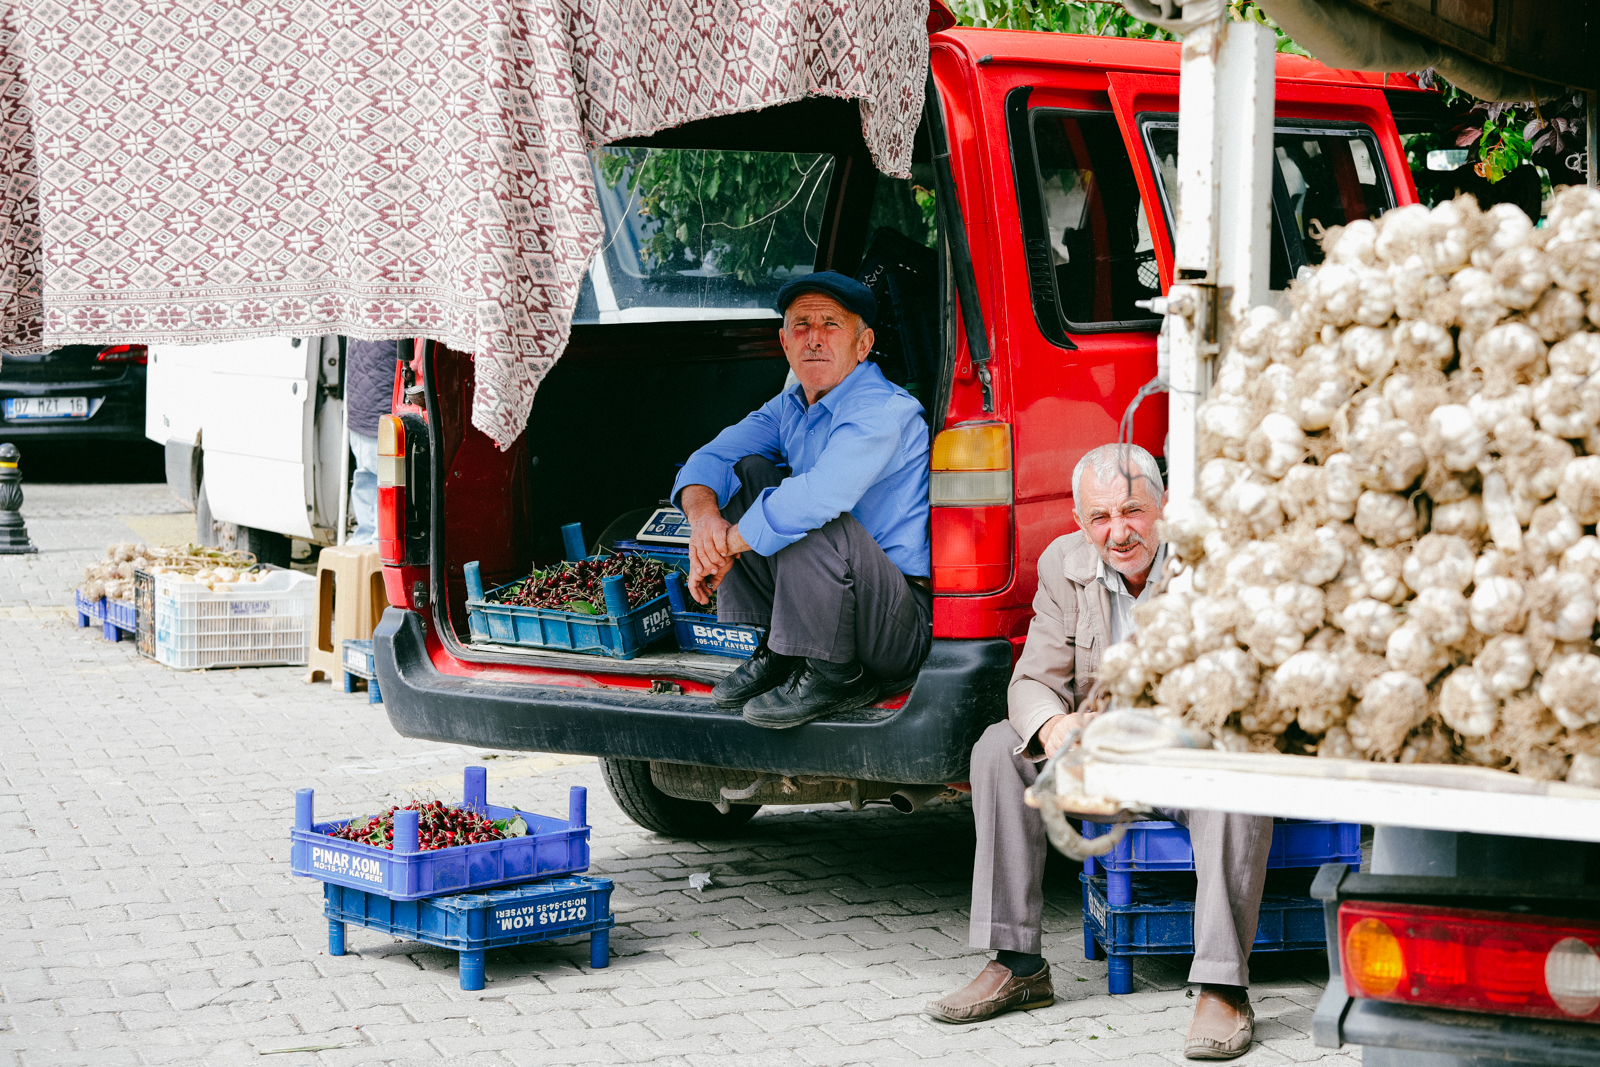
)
(256, 624)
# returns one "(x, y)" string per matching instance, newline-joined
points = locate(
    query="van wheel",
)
(640, 800)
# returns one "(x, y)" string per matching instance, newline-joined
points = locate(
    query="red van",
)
(1010, 269)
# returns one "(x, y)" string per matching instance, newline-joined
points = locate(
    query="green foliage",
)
(1095, 19)
(1502, 148)
(744, 212)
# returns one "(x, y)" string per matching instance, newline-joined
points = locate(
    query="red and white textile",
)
(186, 171)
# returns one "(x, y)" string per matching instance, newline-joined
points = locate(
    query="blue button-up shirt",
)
(862, 449)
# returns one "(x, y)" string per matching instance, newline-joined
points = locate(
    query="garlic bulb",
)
(1521, 277)
(1496, 606)
(1571, 690)
(1185, 525)
(1463, 519)
(1565, 406)
(1276, 445)
(1386, 519)
(1505, 665)
(1370, 622)
(1440, 613)
(1456, 438)
(1394, 704)
(1313, 685)
(1411, 650)
(1552, 529)
(1578, 355)
(1342, 485)
(1122, 666)
(1163, 633)
(1579, 489)
(1583, 558)
(1467, 705)
(1440, 561)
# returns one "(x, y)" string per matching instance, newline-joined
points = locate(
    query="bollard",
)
(14, 540)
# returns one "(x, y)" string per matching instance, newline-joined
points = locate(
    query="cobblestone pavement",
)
(149, 917)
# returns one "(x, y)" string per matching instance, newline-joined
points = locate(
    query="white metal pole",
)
(1245, 92)
(1220, 253)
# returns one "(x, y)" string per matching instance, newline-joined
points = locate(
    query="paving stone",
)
(149, 917)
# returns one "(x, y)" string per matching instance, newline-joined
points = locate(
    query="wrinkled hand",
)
(1055, 731)
(714, 542)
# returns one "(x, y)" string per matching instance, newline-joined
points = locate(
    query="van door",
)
(1337, 158)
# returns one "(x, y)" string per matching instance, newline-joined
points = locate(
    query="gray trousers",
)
(833, 595)
(1230, 863)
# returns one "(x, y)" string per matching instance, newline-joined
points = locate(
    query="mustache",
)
(1133, 539)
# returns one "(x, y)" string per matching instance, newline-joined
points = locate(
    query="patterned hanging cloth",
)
(186, 171)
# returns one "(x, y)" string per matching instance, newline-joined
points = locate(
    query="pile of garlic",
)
(1392, 550)
(112, 577)
(217, 569)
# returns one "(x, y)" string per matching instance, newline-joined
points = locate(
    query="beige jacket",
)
(1069, 633)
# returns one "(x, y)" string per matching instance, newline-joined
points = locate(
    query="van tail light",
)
(1498, 962)
(139, 354)
(391, 489)
(970, 490)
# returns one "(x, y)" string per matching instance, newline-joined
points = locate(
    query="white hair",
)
(1118, 460)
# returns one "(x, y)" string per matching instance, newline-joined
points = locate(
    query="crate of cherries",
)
(433, 848)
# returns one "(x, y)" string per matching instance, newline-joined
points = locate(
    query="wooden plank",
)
(1466, 799)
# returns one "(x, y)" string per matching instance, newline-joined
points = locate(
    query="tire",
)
(640, 800)
(267, 547)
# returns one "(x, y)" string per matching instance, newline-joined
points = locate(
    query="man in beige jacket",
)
(1089, 582)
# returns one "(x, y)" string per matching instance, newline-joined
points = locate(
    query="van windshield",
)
(700, 233)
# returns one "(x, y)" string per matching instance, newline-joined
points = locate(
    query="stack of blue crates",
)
(469, 898)
(1134, 905)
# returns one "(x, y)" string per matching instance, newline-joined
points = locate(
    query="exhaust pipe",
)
(909, 798)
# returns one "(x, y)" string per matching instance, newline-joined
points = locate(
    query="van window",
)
(701, 234)
(1325, 175)
(1090, 253)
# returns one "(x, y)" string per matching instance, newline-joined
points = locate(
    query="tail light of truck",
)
(392, 489)
(139, 354)
(1498, 962)
(970, 489)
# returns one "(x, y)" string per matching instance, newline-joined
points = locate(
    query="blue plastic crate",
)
(551, 847)
(620, 635)
(699, 631)
(359, 665)
(471, 923)
(1159, 921)
(117, 620)
(1164, 846)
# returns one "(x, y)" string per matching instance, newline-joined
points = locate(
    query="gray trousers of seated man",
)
(833, 595)
(1230, 863)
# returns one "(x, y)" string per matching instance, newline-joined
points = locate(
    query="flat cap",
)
(847, 291)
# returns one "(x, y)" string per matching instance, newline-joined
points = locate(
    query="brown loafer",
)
(1223, 1026)
(995, 990)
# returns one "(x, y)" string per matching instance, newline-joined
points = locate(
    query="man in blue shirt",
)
(833, 557)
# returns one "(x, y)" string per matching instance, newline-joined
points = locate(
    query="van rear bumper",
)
(961, 690)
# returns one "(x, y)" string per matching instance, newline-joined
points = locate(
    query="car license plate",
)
(48, 407)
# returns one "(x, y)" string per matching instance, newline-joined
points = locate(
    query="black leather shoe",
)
(809, 694)
(761, 672)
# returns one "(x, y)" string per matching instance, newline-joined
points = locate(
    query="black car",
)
(76, 393)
